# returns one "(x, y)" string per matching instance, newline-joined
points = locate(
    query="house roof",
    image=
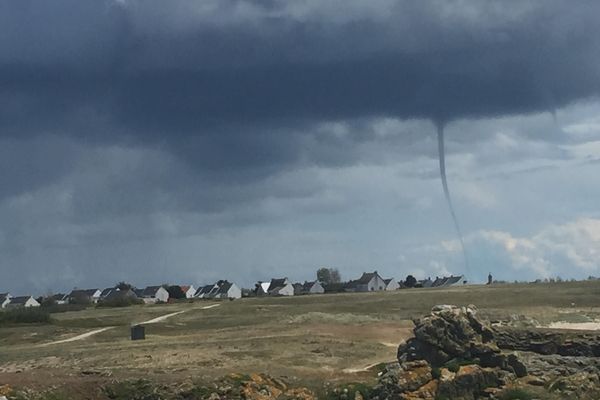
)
(446, 280)
(205, 289)
(223, 287)
(3, 297)
(107, 292)
(120, 294)
(83, 292)
(308, 285)
(150, 291)
(60, 296)
(363, 280)
(387, 281)
(19, 299)
(278, 282)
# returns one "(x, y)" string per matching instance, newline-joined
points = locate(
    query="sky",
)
(184, 142)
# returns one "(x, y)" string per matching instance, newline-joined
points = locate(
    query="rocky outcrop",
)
(455, 355)
(452, 355)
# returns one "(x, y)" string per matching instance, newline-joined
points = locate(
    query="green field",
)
(309, 339)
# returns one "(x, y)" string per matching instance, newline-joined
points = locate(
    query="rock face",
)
(454, 355)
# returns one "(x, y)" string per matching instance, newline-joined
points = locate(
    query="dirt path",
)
(79, 337)
(97, 331)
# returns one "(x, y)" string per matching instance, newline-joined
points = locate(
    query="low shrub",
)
(61, 308)
(30, 315)
(120, 302)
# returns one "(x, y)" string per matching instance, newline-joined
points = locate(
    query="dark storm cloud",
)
(238, 89)
(185, 66)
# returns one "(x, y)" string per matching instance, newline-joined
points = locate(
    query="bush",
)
(61, 308)
(31, 315)
(120, 302)
(436, 373)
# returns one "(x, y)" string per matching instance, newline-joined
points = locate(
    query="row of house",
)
(223, 289)
(8, 301)
(445, 281)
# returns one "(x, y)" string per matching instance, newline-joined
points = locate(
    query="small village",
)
(125, 294)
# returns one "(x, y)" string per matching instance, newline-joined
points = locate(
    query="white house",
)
(85, 295)
(60, 298)
(368, 282)
(153, 294)
(189, 290)
(227, 290)
(23, 301)
(308, 288)
(4, 299)
(391, 284)
(280, 287)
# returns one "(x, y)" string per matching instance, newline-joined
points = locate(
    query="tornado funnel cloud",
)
(442, 159)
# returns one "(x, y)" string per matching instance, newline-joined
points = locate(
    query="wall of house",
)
(317, 288)
(376, 284)
(287, 290)
(234, 292)
(393, 285)
(162, 295)
(190, 293)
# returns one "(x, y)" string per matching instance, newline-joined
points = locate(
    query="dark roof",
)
(277, 282)
(120, 294)
(3, 297)
(366, 277)
(446, 281)
(224, 287)
(60, 296)
(83, 292)
(308, 285)
(19, 299)
(204, 290)
(387, 281)
(150, 291)
(107, 292)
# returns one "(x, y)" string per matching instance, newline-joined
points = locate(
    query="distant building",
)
(278, 287)
(205, 291)
(116, 294)
(60, 298)
(227, 290)
(391, 284)
(313, 287)
(188, 290)
(368, 282)
(449, 281)
(22, 301)
(84, 295)
(153, 294)
(4, 299)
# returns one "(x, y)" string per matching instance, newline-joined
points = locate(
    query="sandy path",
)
(97, 331)
(581, 326)
(79, 337)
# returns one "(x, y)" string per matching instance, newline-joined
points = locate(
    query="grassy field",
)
(308, 339)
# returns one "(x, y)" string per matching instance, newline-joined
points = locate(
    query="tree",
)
(334, 275)
(324, 275)
(410, 281)
(175, 292)
(123, 286)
